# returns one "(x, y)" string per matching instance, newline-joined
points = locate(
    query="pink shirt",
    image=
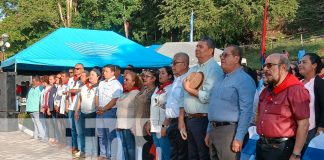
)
(310, 87)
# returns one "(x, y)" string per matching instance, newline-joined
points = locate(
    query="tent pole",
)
(15, 66)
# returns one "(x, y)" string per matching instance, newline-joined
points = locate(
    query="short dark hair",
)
(130, 66)
(314, 58)
(210, 42)
(237, 51)
(169, 71)
(96, 71)
(36, 77)
(117, 67)
(67, 74)
(111, 67)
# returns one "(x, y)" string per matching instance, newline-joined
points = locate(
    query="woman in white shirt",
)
(157, 117)
(126, 114)
(44, 109)
(86, 103)
(309, 67)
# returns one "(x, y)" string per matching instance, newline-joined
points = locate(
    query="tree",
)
(26, 21)
(227, 21)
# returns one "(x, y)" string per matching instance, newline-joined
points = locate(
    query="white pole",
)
(15, 66)
(191, 26)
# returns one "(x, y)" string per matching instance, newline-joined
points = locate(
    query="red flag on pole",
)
(264, 33)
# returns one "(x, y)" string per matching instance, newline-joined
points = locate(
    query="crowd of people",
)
(157, 114)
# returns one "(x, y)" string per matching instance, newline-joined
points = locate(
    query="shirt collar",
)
(206, 63)
(110, 79)
(180, 77)
(233, 72)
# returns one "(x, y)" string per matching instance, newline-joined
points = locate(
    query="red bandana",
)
(88, 86)
(290, 80)
(161, 88)
(322, 75)
(134, 88)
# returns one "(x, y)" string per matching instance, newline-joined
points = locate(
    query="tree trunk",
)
(61, 14)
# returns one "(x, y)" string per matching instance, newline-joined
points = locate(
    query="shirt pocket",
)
(280, 106)
(228, 94)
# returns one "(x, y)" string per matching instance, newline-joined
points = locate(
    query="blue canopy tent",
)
(67, 46)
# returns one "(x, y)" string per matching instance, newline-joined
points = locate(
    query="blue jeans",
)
(87, 127)
(106, 131)
(74, 133)
(128, 143)
(42, 118)
(162, 145)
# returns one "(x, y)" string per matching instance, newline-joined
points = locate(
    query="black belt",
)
(273, 140)
(217, 124)
(173, 120)
(197, 115)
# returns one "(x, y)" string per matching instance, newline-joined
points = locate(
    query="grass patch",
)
(253, 54)
(25, 120)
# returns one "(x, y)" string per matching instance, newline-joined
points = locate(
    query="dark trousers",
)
(277, 151)
(196, 129)
(178, 146)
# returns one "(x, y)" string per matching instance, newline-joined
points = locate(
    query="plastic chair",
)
(249, 150)
(315, 149)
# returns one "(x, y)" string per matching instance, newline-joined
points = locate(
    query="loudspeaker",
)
(8, 121)
(7, 91)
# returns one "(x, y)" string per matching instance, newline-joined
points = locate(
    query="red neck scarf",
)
(290, 80)
(322, 75)
(65, 83)
(134, 88)
(161, 88)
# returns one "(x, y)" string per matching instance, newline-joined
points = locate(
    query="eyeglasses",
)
(127, 80)
(175, 63)
(147, 76)
(77, 69)
(224, 55)
(269, 65)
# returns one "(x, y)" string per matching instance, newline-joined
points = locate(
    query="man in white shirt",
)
(109, 90)
(71, 102)
(179, 146)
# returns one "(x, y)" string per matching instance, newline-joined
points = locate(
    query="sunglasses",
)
(175, 63)
(77, 69)
(224, 55)
(269, 65)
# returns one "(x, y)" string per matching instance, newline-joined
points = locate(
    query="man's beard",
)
(273, 83)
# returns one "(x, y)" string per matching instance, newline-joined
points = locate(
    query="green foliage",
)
(158, 21)
(27, 21)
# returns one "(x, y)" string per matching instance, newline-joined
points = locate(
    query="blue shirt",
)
(199, 104)
(232, 101)
(120, 79)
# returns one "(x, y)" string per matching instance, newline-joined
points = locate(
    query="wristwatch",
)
(164, 126)
(296, 155)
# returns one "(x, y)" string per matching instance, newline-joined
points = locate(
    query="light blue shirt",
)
(212, 72)
(232, 101)
(175, 97)
(34, 99)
